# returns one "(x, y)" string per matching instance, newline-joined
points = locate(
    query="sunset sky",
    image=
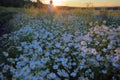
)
(82, 3)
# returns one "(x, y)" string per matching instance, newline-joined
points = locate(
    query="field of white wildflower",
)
(66, 45)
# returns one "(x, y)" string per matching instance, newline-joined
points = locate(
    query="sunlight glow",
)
(57, 2)
(82, 3)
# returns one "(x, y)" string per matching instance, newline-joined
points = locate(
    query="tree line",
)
(20, 3)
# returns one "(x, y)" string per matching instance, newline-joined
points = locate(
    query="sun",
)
(57, 2)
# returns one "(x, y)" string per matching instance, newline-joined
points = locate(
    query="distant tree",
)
(39, 3)
(14, 3)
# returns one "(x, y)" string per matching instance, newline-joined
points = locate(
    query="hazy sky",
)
(82, 3)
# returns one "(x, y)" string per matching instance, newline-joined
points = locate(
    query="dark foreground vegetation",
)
(6, 14)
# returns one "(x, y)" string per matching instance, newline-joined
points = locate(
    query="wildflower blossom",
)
(55, 67)
(40, 50)
(93, 51)
(52, 75)
(5, 54)
(73, 74)
(83, 43)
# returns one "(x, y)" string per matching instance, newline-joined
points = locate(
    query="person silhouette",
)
(50, 7)
(51, 2)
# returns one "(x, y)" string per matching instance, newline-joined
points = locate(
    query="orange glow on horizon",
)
(81, 3)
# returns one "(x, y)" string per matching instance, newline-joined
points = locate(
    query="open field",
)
(75, 44)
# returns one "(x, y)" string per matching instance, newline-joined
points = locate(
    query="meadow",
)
(75, 44)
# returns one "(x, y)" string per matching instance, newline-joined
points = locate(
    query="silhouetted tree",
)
(39, 3)
(14, 3)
